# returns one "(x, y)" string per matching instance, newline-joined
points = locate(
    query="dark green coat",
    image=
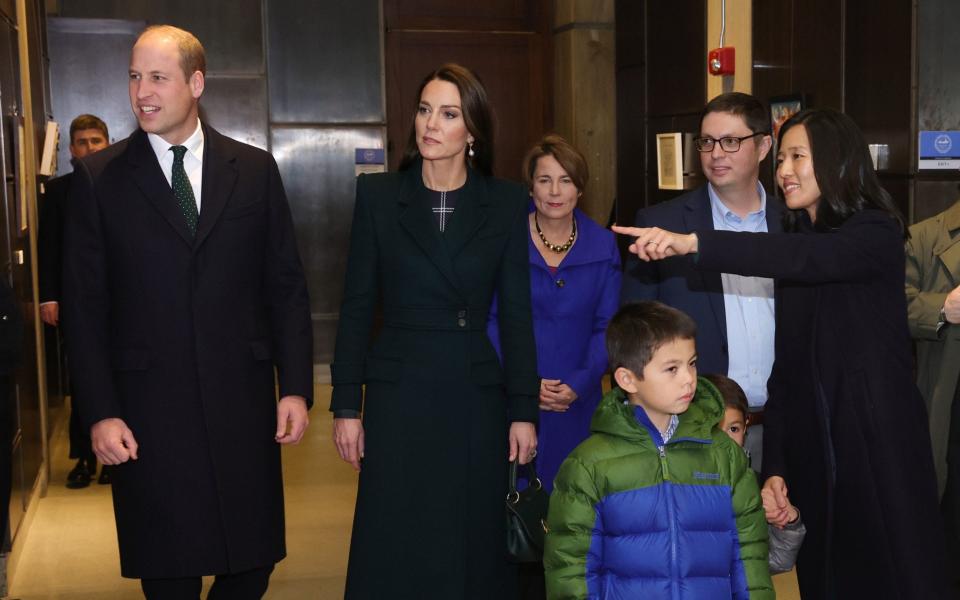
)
(429, 521)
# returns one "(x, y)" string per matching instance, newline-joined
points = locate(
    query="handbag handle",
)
(513, 496)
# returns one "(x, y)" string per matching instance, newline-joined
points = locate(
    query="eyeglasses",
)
(727, 144)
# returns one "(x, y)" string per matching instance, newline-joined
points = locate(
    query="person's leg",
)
(180, 588)
(754, 446)
(248, 585)
(950, 503)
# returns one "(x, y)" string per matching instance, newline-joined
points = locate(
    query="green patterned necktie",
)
(183, 190)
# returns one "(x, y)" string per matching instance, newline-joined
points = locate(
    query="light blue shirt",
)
(748, 302)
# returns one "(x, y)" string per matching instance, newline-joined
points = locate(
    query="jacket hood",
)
(615, 416)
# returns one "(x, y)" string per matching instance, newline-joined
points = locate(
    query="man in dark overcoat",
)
(185, 304)
(88, 134)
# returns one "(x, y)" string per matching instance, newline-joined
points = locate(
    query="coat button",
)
(462, 314)
(462, 322)
(561, 283)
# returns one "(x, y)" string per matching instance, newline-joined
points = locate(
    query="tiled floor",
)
(71, 550)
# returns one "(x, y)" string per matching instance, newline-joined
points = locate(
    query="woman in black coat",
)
(845, 427)
(440, 417)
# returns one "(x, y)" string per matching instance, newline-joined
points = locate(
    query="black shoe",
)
(80, 475)
(104, 475)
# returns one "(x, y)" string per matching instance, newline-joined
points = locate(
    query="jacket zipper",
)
(672, 518)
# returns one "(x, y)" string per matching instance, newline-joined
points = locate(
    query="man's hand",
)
(776, 505)
(348, 438)
(653, 243)
(523, 441)
(951, 307)
(555, 396)
(50, 313)
(113, 442)
(292, 411)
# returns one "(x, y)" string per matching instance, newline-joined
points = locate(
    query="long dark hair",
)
(843, 169)
(477, 114)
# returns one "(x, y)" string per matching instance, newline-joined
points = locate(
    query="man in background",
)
(933, 311)
(88, 134)
(734, 314)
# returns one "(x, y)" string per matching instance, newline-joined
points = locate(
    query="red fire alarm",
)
(721, 61)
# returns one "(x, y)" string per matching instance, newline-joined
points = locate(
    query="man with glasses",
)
(734, 314)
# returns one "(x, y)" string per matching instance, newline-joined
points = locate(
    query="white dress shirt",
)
(192, 159)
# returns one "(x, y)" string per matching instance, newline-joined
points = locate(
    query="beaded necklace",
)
(558, 248)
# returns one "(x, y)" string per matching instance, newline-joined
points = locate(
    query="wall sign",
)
(939, 150)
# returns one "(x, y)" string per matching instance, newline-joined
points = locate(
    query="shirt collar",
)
(720, 209)
(194, 144)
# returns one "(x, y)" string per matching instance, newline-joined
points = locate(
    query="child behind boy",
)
(785, 540)
(657, 502)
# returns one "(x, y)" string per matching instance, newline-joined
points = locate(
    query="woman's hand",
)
(523, 441)
(653, 243)
(348, 438)
(776, 504)
(555, 396)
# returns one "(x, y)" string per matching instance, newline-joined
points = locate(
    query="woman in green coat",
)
(424, 411)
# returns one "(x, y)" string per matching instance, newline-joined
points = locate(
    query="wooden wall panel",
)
(488, 15)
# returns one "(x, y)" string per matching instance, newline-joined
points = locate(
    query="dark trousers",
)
(80, 444)
(950, 504)
(248, 585)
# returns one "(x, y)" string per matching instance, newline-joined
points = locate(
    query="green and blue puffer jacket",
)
(631, 517)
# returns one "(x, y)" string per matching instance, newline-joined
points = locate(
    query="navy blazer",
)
(676, 282)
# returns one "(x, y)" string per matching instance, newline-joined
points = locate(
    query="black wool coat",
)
(845, 425)
(179, 336)
(429, 521)
(50, 237)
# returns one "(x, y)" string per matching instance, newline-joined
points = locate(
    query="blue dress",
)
(571, 310)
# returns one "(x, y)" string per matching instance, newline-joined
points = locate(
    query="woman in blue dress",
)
(575, 289)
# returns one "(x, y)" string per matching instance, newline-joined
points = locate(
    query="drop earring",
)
(470, 149)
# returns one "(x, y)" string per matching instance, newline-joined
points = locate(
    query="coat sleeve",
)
(360, 292)
(518, 349)
(751, 577)
(641, 280)
(588, 376)
(785, 545)
(923, 306)
(49, 238)
(291, 326)
(86, 303)
(860, 250)
(569, 557)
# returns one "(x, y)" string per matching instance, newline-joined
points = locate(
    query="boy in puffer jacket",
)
(657, 502)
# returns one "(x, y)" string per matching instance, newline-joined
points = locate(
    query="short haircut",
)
(745, 106)
(88, 122)
(193, 57)
(572, 161)
(733, 396)
(639, 329)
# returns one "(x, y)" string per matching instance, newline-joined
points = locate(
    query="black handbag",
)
(526, 517)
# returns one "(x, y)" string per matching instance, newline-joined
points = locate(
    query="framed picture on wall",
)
(781, 109)
(670, 161)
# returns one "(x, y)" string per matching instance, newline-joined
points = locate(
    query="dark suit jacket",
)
(50, 238)
(179, 336)
(676, 282)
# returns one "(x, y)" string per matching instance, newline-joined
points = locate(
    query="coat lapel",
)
(947, 247)
(219, 177)
(417, 220)
(147, 175)
(698, 217)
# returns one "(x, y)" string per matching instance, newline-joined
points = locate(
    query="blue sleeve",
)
(588, 376)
